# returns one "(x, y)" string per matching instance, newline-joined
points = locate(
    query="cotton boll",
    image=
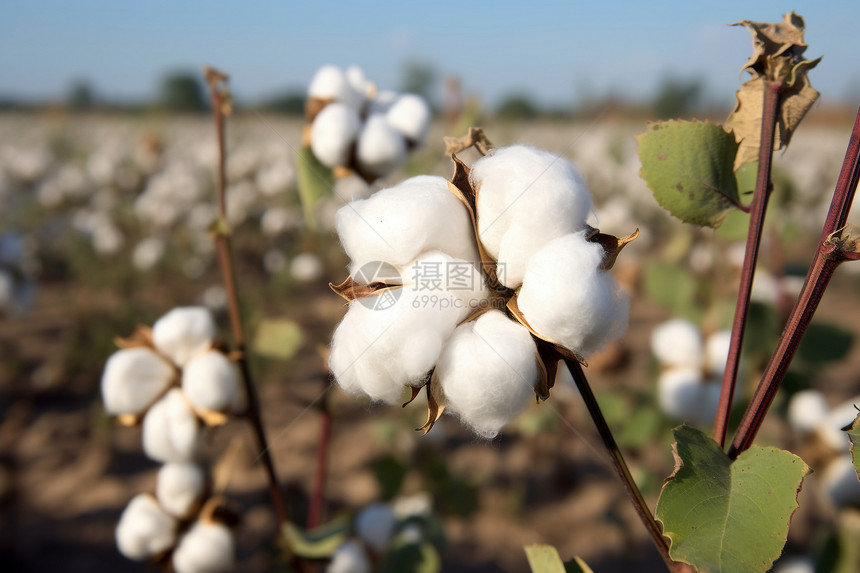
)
(170, 430)
(680, 393)
(211, 381)
(331, 83)
(536, 195)
(411, 116)
(333, 133)
(488, 371)
(381, 148)
(350, 557)
(678, 342)
(132, 379)
(568, 299)
(306, 267)
(147, 253)
(375, 525)
(807, 410)
(278, 220)
(184, 332)
(839, 481)
(206, 548)
(717, 351)
(358, 83)
(144, 530)
(398, 224)
(179, 488)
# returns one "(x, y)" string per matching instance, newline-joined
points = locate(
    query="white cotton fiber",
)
(678, 342)
(132, 379)
(359, 84)
(381, 148)
(807, 410)
(331, 83)
(393, 340)
(526, 198)
(333, 133)
(351, 188)
(383, 102)
(681, 394)
(350, 557)
(144, 530)
(170, 430)
(568, 299)
(488, 371)
(717, 352)
(839, 480)
(375, 525)
(411, 116)
(206, 548)
(184, 332)
(211, 381)
(179, 488)
(398, 224)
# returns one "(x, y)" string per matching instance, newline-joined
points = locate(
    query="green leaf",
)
(577, 565)
(728, 517)
(824, 342)
(412, 558)
(674, 288)
(854, 436)
(315, 181)
(278, 339)
(544, 559)
(689, 166)
(318, 543)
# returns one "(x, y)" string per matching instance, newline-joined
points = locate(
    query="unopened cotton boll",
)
(145, 530)
(807, 410)
(678, 342)
(179, 488)
(350, 557)
(717, 351)
(488, 371)
(526, 198)
(568, 299)
(306, 267)
(333, 133)
(132, 379)
(375, 525)
(839, 481)
(170, 430)
(184, 332)
(381, 148)
(206, 548)
(211, 381)
(398, 224)
(410, 115)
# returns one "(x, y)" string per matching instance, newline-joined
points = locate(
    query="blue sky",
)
(558, 51)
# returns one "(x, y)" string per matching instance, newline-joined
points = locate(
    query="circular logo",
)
(379, 272)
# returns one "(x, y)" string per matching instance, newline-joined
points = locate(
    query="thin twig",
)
(315, 510)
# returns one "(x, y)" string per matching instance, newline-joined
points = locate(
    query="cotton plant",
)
(475, 288)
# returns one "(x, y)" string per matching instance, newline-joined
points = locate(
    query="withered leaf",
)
(612, 246)
(351, 290)
(515, 311)
(772, 40)
(435, 403)
(141, 337)
(547, 358)
(475, 137)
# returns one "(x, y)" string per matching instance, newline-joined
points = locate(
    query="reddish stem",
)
(318, 493)
(826, 259)
(758, 209)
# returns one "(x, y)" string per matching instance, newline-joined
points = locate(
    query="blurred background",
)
(107, 178)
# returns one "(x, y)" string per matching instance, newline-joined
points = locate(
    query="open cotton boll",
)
(541, 193)
(398, 224)
(179, 488)
(132, 379)
(333, 133)
(211, 381)
(144, 530)
(206, 548)
(170, 430)
(678, 342)
(839, 480)
(375, 525)
(411, 116)
(681, 393)
(488, 371)
(306, 267)
(350, 557)
(717, 351)
(381, 148)
(331, 83)
(568, 299)
(807, 410)
(184, 332)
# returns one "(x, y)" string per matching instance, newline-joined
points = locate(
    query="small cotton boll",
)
(350, 557)
(398, 224)
(411, 116)
(531, 195)
(375, 525)
(184, 332)
(147, 253)
(211, 381)
(214, 297)
(678, 342)
(144, 530)
(488, 371)
(681, 394)
(717, 352)
(132, 379)
(206, 548)
(333, 133)
(381, 148)
(170, 430)
(277, 220)
(807, 410)
(331, 83)
(179, 488)
(839, 481)
(568, 299)
(306, 267)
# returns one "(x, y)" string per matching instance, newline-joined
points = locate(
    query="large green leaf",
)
(728, 517)
(315, 181)
(854, 436)
(689, 166)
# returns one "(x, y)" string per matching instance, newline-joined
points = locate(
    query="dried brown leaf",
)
(475, 137)
(548, 359)
(435, 403)
(612, 246)
(773, 40)
(515, 311)
(351, 290)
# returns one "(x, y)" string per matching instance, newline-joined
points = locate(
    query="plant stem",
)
(620, 466)
(228, 273)
(318, 493)
(758, 209)
(817, 278)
